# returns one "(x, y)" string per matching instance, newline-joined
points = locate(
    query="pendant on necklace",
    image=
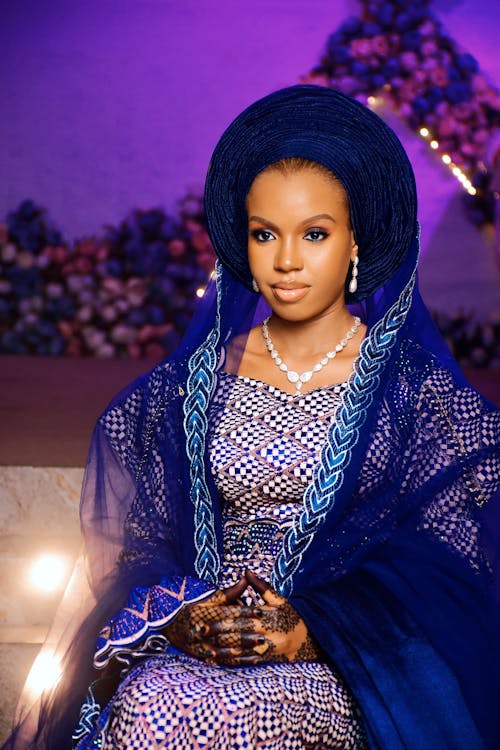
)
(304, 377)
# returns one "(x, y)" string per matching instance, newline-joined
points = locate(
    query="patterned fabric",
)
(181, 703)
(262, 450)
(148, 609)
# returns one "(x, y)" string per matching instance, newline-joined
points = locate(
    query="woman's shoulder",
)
(145, 394)
(420, 379)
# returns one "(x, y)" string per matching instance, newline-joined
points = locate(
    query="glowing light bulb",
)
(372, 100)
(44, 673)
(424, 132)
(456, 171)
(434, 144)
(48, 573)
(200, 292)
(472, 190)
(446, 158)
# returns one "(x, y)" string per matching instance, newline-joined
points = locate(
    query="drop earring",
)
(353, 284)
(255, 286)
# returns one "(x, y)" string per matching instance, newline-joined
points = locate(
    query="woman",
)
(289, 521)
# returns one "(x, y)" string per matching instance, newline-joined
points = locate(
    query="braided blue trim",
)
(89, 713)
(201, 365)
(319, 496)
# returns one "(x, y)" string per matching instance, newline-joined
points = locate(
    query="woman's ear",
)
(354, 249)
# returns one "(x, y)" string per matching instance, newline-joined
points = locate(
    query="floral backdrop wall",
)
(130, 290)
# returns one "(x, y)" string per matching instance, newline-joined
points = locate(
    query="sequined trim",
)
(148, 609)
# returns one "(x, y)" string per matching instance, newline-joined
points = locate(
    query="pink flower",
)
(105, 351)
(405, 110)
(461, 130)
(200, 241)
(479, 84)
(83, 265)
(468, 148)
(438, 77)
(427, 28)
(430, 63)
(408, 60)
(134, 350)
(360, 47)
(25, 259)
(464, 111)
(109, 313)
(420, 76)
(429, 47)
(442, 109)
(177, 247)
(408, 91)
(145, 333)
(84, 314)
(192, 226)
(481, 136)
(122, 334)
(111, 286)
(380, 45)
(446, 126)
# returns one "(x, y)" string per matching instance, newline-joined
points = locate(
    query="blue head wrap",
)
(324, 126)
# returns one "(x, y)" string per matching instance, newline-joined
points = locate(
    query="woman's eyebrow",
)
(263, 221)
(309, 220)
(318, 217)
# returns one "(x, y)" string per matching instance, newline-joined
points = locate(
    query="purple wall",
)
(109, 105)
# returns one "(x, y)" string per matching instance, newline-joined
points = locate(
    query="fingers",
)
(232, 593)
(242, 641)
(248, 624)
(269, 595)
(251, 651)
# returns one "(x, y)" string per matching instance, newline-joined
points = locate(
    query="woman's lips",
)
(289, 294)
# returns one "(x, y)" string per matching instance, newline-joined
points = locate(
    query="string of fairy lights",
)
(373, 102)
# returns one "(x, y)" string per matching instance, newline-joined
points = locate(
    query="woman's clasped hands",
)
(222, 630)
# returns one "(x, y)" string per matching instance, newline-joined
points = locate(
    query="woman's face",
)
(300, 242)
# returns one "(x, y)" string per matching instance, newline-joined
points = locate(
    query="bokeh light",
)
(44, 673)
(48, 573)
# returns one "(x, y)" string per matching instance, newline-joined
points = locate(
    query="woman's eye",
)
(262, 235)
(315, 235)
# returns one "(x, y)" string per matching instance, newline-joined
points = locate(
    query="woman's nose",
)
(288, 256)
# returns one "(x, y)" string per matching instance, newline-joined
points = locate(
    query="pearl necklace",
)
(305, 377)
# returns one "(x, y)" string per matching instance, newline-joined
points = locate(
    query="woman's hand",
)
(218, 629)
(285, 635)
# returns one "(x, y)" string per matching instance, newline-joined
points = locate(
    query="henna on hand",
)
(221, 630)
(192, 631)
(283, 628)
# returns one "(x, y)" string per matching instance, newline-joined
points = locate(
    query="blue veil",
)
(393, 561)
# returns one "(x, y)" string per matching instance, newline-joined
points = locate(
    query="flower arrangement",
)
(129, 293)
(397, 51)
